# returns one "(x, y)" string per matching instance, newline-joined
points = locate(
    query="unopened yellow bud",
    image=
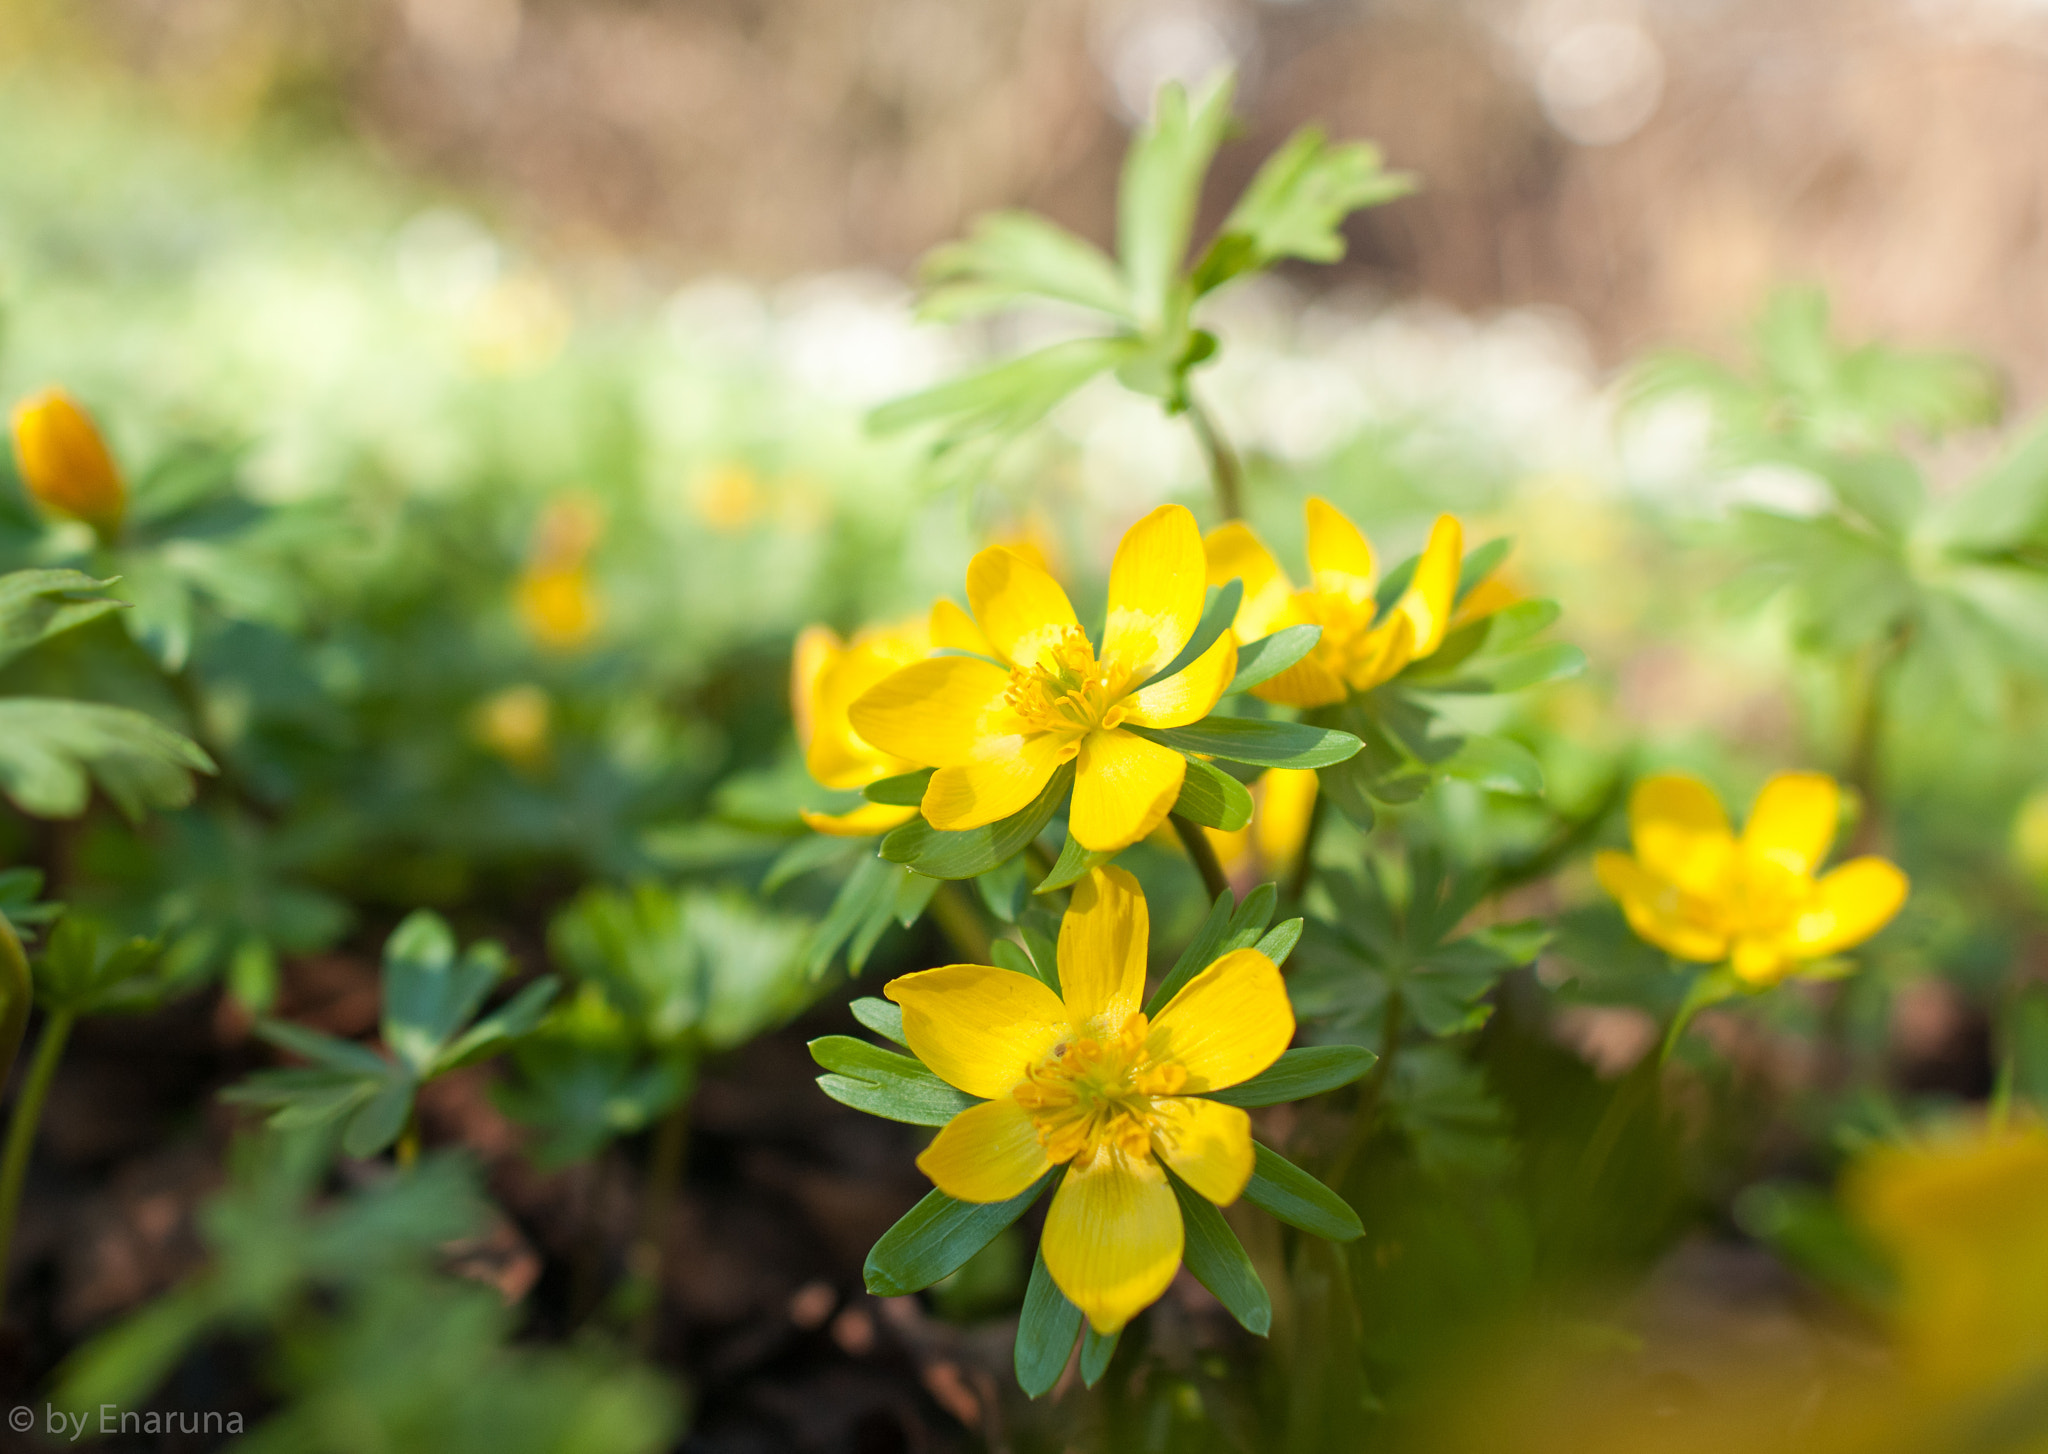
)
(64, 462)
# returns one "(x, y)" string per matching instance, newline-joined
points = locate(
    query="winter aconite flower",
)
(1283, 802)
(64, 462)
(997, 730)
(1360, 646)
(1695, 889)
(558, 603)
(828, 674)
(1085, 1080)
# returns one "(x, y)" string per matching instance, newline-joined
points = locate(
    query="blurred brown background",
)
(1652, 165)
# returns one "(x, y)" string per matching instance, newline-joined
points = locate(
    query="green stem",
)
(1196, 842)
(657, 1198)
(1225, 469)
(17, 994)
(21, 1128)
(1305, 865)
(952, 911)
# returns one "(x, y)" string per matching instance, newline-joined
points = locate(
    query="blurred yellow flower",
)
(727, 497)
(996, 734)
(558, 604)
(1696, 890)
(518, 326)
(1083, 1079)
(1962, 1218)
(514, 723)
(826, 675)
(1283, 800)
(64, 462)
(1359, 649)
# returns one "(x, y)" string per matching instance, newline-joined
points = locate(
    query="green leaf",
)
(1498, 764)
(1218, 1261)
(812, 851)
(1008, 398)
(1009, 954)
(1045, 1332)
(517, 1017)
(1002, 889)
(977, 850)
(1218, 611)
(1096, 1351)
(2006, 507)
(1213, 798)
(905, 790)
(1294, 206)
(1261, 660)
(884, 1083)
(1072, 865)
(1161, 188)
(325, 1050)
(1253, 740)
(1201, 952)
(871, 883)
(1248, 924)
(1516, 671)
(376, 1124)
(1280, 943)
(1305, 1071)
(428, 995)
(1280, 1187)
(1479, 564)
(38, 604)
(881, 1016)
(939, 1234)
(1011, 257)
(51, 750)
(78, 975)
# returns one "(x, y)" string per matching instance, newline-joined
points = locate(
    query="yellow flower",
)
(996, 734)
(559, 606)
(65, 463)
(515, 723)
(1961, 1216)
(1359, 648)
(1084, 1079)
(1283, 799)
(1693, 888)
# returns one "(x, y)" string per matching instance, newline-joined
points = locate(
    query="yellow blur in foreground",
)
(65, 464)
(1359, 648)
(997, 733)
(1283, 801)
(1694, 889)
(1084, 1079)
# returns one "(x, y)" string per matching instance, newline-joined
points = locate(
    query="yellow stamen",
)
(1069, 693)
(1090, 1093)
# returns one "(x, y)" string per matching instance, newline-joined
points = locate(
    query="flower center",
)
(1766, 896)
(1088, 1093)
(1068, 693)
(1346, 625)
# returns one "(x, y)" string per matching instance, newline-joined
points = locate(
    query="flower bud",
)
(64, 462)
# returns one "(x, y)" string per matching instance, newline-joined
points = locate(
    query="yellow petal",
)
(1427, 601)
(1235, 554)
(952, 629)
(1386, 649)
(1681, 833)
(1287, 800)
(1851, 903)
(1491, 595)
(1124, 787)
(836, 754)
(1102, 950)
(1208, 1145)
(1656, 910)
(64, 462)
(1006, 775)
(816, 648)
(1191, 693)
(1310, 682)
(864, 821)
(987, 1153)
(1227, 1024)
(938, 712)
(976, 1027)
(1793, 820)
(1759, 960)
(1339, 556)
(1156, 587)
(1113, 1236)
(1021, 610)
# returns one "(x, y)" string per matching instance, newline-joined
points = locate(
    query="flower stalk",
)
(21, 1126)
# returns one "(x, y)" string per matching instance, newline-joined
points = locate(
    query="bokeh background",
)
(487, 298)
